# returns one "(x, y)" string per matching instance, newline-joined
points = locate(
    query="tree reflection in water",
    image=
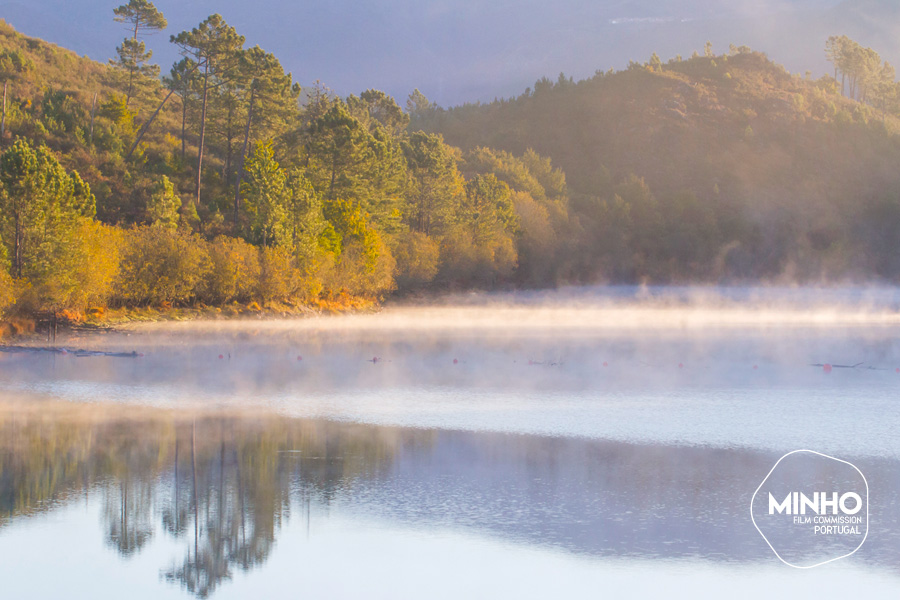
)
(221, 483)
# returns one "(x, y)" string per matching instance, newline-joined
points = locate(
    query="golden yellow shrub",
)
(160, 265)
(234, 271)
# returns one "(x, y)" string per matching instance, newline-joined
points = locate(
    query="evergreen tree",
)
(376, 109)
(213, 46)
(419, 108)
(142, 18)
(183, 79)
(271, 103)
(164, 204)
(338, 148)
(267, 198)
(39, 205)
(435, 185)
(307, 222)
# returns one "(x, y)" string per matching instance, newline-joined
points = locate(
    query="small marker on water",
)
(605, 364)
(455, 361)
(755, 367)
(299, 358)
(827, 368)
(221, 356)
(680, 365)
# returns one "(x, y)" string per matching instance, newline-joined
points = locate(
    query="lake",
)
(602, 441)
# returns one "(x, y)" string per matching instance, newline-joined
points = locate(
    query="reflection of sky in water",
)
(336, 510)
(593, 450)
(347, 558)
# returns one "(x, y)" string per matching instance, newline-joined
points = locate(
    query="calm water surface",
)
(514, 451)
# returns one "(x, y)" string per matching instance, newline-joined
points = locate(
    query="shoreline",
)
(30, 329)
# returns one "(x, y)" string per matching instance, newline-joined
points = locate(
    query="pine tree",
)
(214, 46)
(142, 18)
(39, 203)
(307, 222)
(435, 185)
(184, 81)
(163, 206)
(266, 197)
(271, 103)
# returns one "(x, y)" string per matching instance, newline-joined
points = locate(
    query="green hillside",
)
(51, 92)
(753, 172)
(301, 197)
(713, 169)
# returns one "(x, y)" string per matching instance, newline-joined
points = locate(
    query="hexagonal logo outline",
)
(766, 478)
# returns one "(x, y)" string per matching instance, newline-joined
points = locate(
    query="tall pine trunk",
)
(202, 134)
(240, 165)
(17, 247)
(3, 120)
(146, 125)
(132, 69)
(93, 114)
(184, 103)
(229, 143)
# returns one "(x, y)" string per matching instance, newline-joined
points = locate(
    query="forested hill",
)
(760, 173)
(220, 181)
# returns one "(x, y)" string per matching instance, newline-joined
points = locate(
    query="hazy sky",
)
(457, 51)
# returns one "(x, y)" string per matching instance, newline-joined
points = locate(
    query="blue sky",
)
(457, 51)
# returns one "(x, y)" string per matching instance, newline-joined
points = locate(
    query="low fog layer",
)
(588, 311)
(750, 368)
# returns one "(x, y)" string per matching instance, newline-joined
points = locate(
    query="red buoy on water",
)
(221, 357)
(455, 361)
(299, 358)
(898, 369)
(827, 368)
(680, 365)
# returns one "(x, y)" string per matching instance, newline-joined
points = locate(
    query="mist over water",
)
(743, 367)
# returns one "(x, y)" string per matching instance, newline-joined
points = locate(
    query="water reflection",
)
(222, 486)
